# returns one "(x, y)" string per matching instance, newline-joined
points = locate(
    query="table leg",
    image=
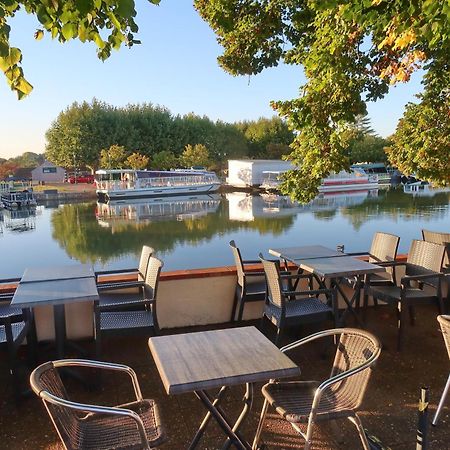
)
(219, 416)
(350, 301)
(60, 329)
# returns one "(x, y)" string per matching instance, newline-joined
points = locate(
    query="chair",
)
(421, 283)
(250, 287)
(141, 272)
(134, 425)
(16, 325)
(445, 327)
(133, 315)
(340, 396)
(441, 238)
(285, 308)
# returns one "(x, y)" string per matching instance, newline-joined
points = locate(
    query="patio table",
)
(56, 286)
(195, 362)
(331, 267)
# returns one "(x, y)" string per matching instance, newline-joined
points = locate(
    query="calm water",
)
(193, 232)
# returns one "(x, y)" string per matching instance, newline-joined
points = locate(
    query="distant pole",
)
(74, 168)
(422, 426)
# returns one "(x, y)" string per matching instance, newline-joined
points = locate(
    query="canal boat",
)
(128, 183)
(379, 170)
(16, 195)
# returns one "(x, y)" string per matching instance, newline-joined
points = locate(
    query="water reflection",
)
(18, 220)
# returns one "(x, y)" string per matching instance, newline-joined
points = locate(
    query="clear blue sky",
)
(175, 66)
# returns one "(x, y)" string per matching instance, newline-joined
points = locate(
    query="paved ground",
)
(389, 411)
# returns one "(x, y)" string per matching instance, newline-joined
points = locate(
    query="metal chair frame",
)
(48, 397)
(333, 380)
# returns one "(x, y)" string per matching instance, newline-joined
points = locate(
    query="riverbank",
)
(64, 192)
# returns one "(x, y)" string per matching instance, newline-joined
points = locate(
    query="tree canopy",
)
(109, 24)
(351, 52)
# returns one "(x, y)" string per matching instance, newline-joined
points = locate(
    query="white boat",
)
(336, 182)
(383, 174)
(129, 183)
(16, 194)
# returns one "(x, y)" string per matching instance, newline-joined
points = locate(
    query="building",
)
(48, 172)
(251, 172)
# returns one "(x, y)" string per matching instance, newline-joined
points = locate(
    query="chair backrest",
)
(424, 257)
(239, 265)
(152, 278)
(143, 261)
(438, 237)
(384, 248)
(45, 379)
(444, 321)
(272, 272)
(356, 352)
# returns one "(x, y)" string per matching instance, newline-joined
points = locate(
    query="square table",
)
(194, 362)
(293, 254)
(40, 286)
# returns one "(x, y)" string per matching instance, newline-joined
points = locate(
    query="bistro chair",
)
(251, 285)
(16, 325)
(134, 425)
(338, 397)
(133, 316)
(140, 271)
(439, 238)
(444, 321)
(420, 285)
(285, 307)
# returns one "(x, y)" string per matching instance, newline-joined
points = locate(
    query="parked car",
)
(81, 179)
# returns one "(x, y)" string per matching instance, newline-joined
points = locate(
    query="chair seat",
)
(6, 310)
(121, 320)
(107, 301)
(119, 285)
(113, 432)
(394, 292)
(256, 286)
(295, 308)
(293, 400)
(17, 329)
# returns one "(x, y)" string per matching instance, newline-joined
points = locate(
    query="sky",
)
(175, 66)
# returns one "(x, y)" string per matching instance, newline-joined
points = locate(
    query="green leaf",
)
(69, 30)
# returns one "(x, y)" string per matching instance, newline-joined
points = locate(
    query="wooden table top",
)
(294, 254)
(344, 266)
(55, 292)
(34, 274)
(211, 359)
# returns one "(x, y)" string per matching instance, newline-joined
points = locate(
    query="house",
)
(48, 172)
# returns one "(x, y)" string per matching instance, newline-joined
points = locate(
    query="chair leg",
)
(278, 336)
(412, 315)
(241, 309)
(260, 424)
(362, 434)
(401, 324)
(441, 402)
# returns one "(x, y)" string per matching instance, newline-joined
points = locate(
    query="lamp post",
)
(74, 168)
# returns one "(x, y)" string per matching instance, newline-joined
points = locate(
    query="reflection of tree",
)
(327, 214)
(394, 203)
(78, 232)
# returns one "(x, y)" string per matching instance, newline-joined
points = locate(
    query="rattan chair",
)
(134, 425)
(441, 238)
(285, 308)
(140, 272)
(134, 315)
(420, 285)
(444, 321)
(340, 396)
(251, 285)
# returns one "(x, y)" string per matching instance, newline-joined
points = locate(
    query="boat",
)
(384, 174)
(128, 183)
(336, 182)
(16, 195)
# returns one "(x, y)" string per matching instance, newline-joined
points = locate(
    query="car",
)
(81, 179)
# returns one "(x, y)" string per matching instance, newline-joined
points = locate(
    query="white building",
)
(49, 173)
(249, 172)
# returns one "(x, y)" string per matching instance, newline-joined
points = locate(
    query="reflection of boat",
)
(383, 174)
(19, 220)
(336, 182)
(117, 212)
(127, 183)
(16, 195)
(245, 207)
(422, 188)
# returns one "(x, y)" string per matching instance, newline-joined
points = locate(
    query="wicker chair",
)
(441, 238)
(445, 327)
(340, 396)
(285, 308)
(134, 425)
(133, 315)
(250, 287)
(140, 271)
(420, 285)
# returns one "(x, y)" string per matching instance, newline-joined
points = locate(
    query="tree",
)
(113, 157)
(7, 168)
(351, 52)
(28, 159)
(195, 155)
(164, 160)
(109, 24)
(368, 148)
(137, 161)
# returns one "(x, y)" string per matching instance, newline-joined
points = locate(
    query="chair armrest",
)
(309, 292)
(312, 337)
(390, 263)
(251, 261)
(94, 409)
(254, 274)
(295, 276)
(357, 254)
(120, 285)
(407, 278)
(103, 366)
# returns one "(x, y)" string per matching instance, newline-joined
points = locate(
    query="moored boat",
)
(128, 183)
(384, 174)
(16, 195)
